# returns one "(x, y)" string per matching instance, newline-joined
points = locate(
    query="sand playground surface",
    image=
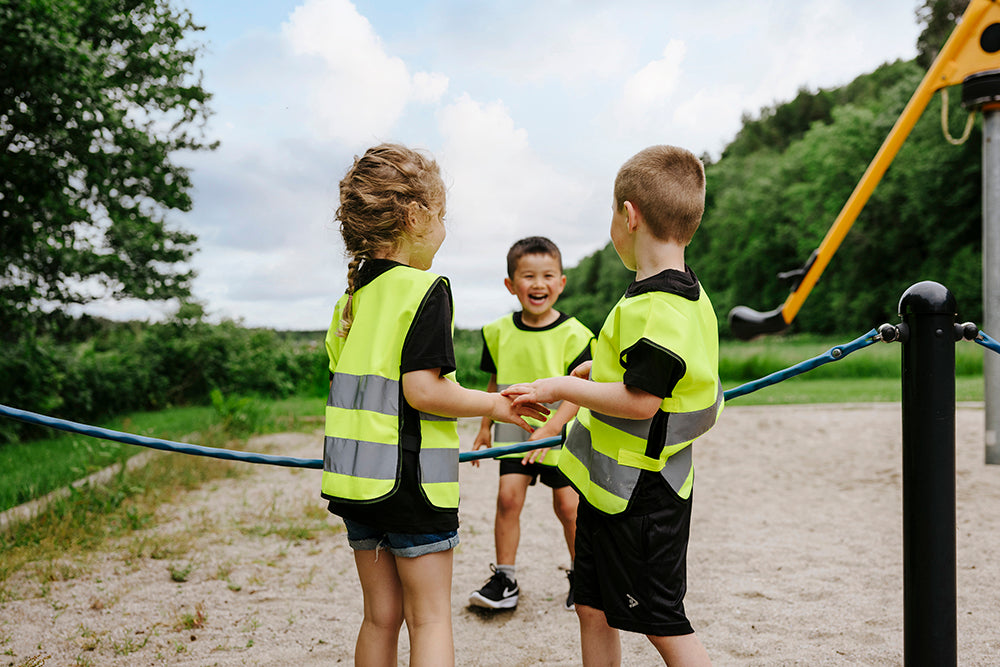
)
(795, 559)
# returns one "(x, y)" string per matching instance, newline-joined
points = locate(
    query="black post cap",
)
(927, 298)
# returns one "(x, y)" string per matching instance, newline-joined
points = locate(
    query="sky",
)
(529, 107)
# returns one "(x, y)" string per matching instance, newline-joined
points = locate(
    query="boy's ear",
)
(509, 284)
(632, 216)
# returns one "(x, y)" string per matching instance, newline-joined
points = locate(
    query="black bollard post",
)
(928, 406)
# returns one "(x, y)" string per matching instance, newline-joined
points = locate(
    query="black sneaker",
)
(570, 602)
(498, 593)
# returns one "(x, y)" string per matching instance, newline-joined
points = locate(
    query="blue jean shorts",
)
(362, 537)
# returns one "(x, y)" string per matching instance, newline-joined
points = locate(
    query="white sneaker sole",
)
(477, 600)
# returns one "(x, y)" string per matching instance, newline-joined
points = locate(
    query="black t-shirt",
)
(428, 344)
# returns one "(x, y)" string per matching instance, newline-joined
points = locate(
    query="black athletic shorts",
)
(551, 476)
(634, 568)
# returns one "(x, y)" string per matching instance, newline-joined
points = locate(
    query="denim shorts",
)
(362, 537)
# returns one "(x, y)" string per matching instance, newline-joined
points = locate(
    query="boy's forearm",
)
(615, 399)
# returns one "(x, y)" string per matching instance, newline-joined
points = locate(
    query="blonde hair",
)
(667, 185)
(379, 191)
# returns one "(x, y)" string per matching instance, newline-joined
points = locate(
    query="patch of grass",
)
(29, 470)
(69, 528)
(304, 522)
(740, 361)
(128, 644)
(191, 620)
(180, 573)
(805, 389)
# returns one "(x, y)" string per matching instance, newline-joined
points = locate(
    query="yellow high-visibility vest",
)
(525, 356)
(361, 455)
(604, 455)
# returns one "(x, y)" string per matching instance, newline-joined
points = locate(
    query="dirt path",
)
(796, 559)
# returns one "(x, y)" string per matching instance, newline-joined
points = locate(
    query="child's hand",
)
(536, 455)
(538, 392)
(504, 410)
(583, 370)
(484, 439)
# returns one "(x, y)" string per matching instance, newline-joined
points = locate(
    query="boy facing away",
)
(534, 343)
(653, 388)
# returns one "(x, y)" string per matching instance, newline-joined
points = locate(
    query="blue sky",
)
(529, 107)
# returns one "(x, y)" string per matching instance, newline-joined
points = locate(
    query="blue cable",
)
(231, 454)
(157, 443)
(987, 342)
(833, 354)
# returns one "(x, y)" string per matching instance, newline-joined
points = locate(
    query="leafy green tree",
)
(938, 18)
(97, 97)
(769, 207)
(769, 210)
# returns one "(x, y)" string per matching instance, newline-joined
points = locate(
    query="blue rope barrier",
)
(833, 354)
(983, 339)
(157, 443)
(232, 454)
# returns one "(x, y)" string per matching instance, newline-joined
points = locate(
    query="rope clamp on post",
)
(894, 333)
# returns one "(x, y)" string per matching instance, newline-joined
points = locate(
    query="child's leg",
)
(383, 605)
(684, 650)
(426, 582)
(600, 642)
(564, 502)
(512, 491)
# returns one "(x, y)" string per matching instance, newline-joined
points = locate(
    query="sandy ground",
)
(795, 559)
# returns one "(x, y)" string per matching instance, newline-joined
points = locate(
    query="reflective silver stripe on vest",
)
(677, 469)
(686, 426)
(428, 417)
(373, 393)
(438, 465)
(635, 427)
(509, 433)
(360, 458)
(605, 471)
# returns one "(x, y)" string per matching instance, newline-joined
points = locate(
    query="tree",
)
(938, 18)
(97, 97)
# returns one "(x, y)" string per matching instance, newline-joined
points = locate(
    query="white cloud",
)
(360, 91)
(500, 191)
(648, 91)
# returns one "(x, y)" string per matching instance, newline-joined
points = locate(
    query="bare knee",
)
(388, 619)
(510, 501)
(565, 505)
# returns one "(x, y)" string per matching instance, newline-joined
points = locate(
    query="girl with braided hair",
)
(391, 448)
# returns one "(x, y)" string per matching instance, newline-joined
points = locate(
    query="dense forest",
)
(779, 185)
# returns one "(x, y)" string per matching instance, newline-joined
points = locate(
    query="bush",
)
(125, 367)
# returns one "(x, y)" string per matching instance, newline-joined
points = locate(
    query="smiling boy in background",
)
(536, 342)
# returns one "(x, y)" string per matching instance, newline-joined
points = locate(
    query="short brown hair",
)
(532, 245)
(667, 185)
